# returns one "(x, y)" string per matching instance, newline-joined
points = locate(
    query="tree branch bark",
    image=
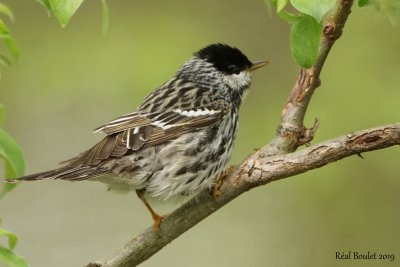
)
(259, 169)
(291, 132)
(271, 162)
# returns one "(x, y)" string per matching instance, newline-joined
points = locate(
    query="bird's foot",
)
(216, 190)
(156, 217)
(157, 221)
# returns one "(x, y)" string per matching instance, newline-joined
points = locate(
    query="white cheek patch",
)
(237, 81)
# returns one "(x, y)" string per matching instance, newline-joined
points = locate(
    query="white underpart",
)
(237, 81)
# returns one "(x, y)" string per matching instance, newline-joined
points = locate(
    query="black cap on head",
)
(225, 58)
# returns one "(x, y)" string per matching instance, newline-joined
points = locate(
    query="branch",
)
(268, 164)
(257, 170)
(291, 132)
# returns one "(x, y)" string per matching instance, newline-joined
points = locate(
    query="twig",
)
(291, 132)
(255, 171)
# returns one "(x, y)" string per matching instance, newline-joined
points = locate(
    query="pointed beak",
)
(257, 65)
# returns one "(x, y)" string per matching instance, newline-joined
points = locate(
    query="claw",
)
(216, 191)
(157, 221)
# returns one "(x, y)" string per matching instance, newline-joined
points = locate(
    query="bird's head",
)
(220, 64)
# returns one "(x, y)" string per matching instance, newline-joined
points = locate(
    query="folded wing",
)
(140, 130)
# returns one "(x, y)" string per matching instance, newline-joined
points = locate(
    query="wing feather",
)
(123, 123)
(139, 130)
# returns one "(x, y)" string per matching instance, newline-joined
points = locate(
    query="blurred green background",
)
(71, 80)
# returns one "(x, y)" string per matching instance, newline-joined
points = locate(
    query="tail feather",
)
(64, 173)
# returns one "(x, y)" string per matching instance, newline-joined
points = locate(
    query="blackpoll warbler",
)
(179, 140)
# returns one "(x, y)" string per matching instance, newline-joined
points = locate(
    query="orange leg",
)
(157, 218)
(220, 180)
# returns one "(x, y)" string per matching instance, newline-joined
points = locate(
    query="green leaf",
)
(12, 154)
(3, 28)
(11, 259)
(12, 238)
(5, 10)
(305, 35)
(45, 3)
(7, 256)
(7, 187)
(64, 9)
(363, 3)
(8, 40)
(281, 12)
(12, 47)
(5, 62)
(316, 9)
(279, 4)
(106, 16)
(288, 17)
(14, 164)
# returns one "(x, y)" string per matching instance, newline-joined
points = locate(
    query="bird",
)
(178, 141)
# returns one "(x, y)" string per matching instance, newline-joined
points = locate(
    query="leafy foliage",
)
(280, 4)
(306, 24)
(45, 3)
(8, 40)
(306, 27)
(63, 10)
(7, 256)
(11, 153)
(5, 10)
(6, 36)
(304, 39)
(362, 3)
(9, 149)
(316, 9)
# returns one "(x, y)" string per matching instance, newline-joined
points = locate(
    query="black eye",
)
(233, 69)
